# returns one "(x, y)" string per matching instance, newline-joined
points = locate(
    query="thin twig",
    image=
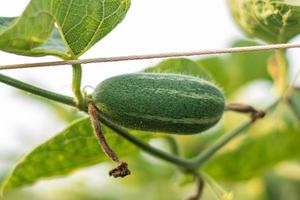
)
(122, 169)
(153, 56)
(243, 108)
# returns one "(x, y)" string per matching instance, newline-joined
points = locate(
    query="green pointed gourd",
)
(169, 103)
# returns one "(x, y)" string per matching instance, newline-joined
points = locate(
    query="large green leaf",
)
(235, 70)
(277, 186)
(73, 148)
(60, 27)
(274, 21)
(271, 141)
(180, 66)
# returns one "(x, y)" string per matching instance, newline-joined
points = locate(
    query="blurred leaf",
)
(253, 156)
(145, 169)
(186, 179)
(228, 196)
(80, 24)
(277, 187)
(248, 66)
(235, 70)
(73, 148)
(294, 101)
(218, 191)
(274, 21)
(216, 66)
(180, 66)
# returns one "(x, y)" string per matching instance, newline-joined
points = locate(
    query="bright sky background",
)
(150, 27)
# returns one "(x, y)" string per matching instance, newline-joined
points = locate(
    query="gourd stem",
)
(243, 108)
(37, 91)
(146, 147)
(208, 153)
(97, 130)
(76, 84)
(122, 169)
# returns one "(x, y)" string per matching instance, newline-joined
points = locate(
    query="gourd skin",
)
(169, 103)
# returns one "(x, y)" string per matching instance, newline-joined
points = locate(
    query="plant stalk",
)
(122, 169)
(244, 108)
(37, 91)
(76, 85)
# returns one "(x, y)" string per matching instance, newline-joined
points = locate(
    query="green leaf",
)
(73, 148)
(274, 21)
(258, 153)
(216, 66)
(5, 22)
(14, 39)
(255, 156)
(60, 27)
(235, 70)
(83, 23)
(277, 184)
(180, 66)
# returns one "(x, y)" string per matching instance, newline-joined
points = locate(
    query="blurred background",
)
(156, 26)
